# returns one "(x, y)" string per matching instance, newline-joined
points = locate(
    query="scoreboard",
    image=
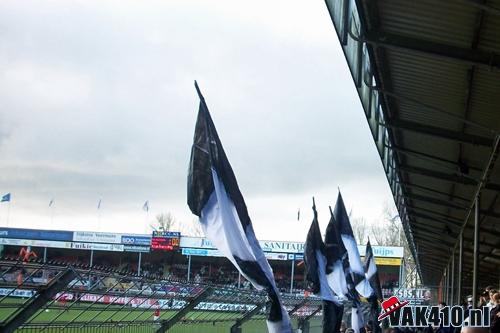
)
(165, 240)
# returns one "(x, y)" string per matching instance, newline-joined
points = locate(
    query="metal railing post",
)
(167, 324)
(476, 251)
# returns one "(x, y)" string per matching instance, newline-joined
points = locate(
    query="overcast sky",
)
(97, 101)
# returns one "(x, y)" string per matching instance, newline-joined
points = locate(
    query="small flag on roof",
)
(5, 197)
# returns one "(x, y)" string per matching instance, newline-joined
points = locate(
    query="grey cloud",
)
(98, 98)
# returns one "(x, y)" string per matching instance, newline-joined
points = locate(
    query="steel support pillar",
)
(291, 276)
(444, 285)
(45, 295)
(167, 324)
(460, 268)
(476, 252)
(452, 277)
(189, 268)
(236, 328)
(139, 264)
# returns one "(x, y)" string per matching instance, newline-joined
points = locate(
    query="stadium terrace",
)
(176, 256)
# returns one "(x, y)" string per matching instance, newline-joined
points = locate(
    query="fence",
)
(39, 296)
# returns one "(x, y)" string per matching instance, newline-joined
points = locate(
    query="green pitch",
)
(85, 318)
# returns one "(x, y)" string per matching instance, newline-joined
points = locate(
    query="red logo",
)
(390, 305)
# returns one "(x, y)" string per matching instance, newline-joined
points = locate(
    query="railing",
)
(63, 297)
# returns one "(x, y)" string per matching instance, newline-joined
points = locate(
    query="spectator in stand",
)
(484, 299)
(491, 304)
(495, 314)
(26, 254)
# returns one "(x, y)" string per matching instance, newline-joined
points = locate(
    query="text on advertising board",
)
(165, 241)
(96, 237)
(55, 235)
(136, 240)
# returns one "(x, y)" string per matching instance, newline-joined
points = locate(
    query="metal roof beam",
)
(454, 178)
(441, 216)
(428, 189)
(424, 156)
(436, 201)
(440, 132)
(448, 52)
(479, 4)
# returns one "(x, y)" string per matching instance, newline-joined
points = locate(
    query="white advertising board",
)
(290, 247)
(97, 237)
(35, 243)
(97, 247)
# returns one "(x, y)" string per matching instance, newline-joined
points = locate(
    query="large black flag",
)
(315, 262)
(355, 265)
(337, 262)
(214, 196)
(372, 276)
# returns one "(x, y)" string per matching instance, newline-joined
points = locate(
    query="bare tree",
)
(194, 229)
(388, 231)
(360, 229)
(164, 222)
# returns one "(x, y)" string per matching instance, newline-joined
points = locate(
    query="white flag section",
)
(357, 321)
(371, 269)
(222, 226)
(214, 196)
(336, 255)
(326, 293)
(372, 274)
(361, 283)
(336, 280)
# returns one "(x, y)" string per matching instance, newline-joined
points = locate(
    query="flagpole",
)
(99, 219)
(52, 215)
(8, 212)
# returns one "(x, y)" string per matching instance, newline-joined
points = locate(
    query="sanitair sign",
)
(290, 247)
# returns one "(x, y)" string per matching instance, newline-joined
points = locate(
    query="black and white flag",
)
(372, 276)
(315, 263)
(214, 196)
(372, 272)
(357, 318)
(336, 259)
(355, 265)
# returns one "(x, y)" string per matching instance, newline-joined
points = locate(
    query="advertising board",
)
(55, 235)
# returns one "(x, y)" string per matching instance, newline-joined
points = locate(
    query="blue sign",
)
(136, 240)
(201, 252)
(36, 234)
(299, 257)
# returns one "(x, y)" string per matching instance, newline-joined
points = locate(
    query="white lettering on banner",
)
(35, 243)
(141, 302)
(216, 253)
(97, 237)
(16, 292)
(291, 247)
(420, 296)
(98, 247)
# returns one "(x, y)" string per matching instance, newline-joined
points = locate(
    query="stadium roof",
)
(427, 74)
